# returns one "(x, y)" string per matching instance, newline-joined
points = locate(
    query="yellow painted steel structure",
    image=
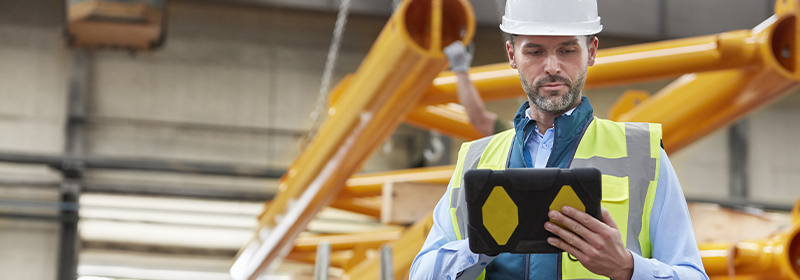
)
(406, 57)
(368, 205)
(697, 104)
(449, 119)
(361, 192)
(404, 250)
(370, 184)
(347, 249)
(616, 66)
(775, 258)
(763, 60)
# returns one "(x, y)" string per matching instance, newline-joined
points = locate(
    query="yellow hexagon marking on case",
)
(500, 215)
(566, 197)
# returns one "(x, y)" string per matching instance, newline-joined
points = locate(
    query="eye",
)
(535, 52)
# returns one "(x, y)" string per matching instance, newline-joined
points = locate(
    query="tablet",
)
(507, 209)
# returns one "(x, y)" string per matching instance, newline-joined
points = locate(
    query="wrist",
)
(626, 271)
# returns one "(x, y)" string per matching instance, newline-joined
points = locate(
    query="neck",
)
(544, 120)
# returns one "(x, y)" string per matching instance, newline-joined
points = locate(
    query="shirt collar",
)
(567, 113)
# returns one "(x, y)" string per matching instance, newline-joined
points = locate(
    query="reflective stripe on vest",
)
(627, 154)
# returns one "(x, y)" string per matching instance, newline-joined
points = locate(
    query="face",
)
(552, 69)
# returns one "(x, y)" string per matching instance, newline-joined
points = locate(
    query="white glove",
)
(459, 57)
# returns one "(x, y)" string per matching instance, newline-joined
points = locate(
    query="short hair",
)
(589, 38)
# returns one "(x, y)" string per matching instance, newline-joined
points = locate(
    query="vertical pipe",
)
(662, 18)
(403, 252)
(738, 150)
(387, 270)
(72, 167)
(323, 261)
(68, 240)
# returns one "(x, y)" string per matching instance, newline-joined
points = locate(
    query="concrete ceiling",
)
(645, 19)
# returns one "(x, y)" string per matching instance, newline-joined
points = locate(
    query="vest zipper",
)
(527, 266)
(559, 271)
(525, 137)
(553, 147)
(578, 142)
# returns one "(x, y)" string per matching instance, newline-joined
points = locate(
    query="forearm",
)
(647, 269)
(442, 255)
(469, 97)
(450, 261)
(674, 253)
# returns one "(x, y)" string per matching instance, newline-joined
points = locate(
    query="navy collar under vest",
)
(568, 132)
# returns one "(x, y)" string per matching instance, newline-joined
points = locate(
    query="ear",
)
(593, 50)
(510, 53)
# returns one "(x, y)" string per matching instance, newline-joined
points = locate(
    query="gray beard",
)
(553, 106)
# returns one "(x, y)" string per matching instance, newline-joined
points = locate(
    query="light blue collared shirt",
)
(674, 255)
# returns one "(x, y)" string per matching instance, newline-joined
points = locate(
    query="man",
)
(645, 231)
(485, 122)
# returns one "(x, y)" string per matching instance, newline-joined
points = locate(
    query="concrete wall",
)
(774, 166)
(33, 82)
(34, 78)
(222, 66)
(30, 249)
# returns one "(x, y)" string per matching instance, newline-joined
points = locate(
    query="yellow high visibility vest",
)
(627, 154)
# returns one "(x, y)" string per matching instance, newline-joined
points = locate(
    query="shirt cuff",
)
(646, 269)
(469, 265)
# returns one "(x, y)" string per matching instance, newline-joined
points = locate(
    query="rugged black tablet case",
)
(533, 191)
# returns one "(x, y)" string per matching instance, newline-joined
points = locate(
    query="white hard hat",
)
(551, 17)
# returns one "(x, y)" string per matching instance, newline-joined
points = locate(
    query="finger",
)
(567, 236)
(585, 219)
(607, 218)
(571, 224)
(572, 250)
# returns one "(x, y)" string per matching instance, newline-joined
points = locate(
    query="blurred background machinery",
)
(128, 24)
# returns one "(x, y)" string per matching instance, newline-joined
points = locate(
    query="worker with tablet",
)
(642, 230)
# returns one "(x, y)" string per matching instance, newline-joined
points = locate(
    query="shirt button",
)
(471, 260)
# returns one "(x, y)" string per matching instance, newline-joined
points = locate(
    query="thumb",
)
(607, 218)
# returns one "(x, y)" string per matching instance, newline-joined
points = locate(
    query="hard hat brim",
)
(551, 28)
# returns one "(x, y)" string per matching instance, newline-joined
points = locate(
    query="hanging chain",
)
(317, 116)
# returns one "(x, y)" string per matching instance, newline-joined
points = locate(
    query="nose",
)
(552, 65)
